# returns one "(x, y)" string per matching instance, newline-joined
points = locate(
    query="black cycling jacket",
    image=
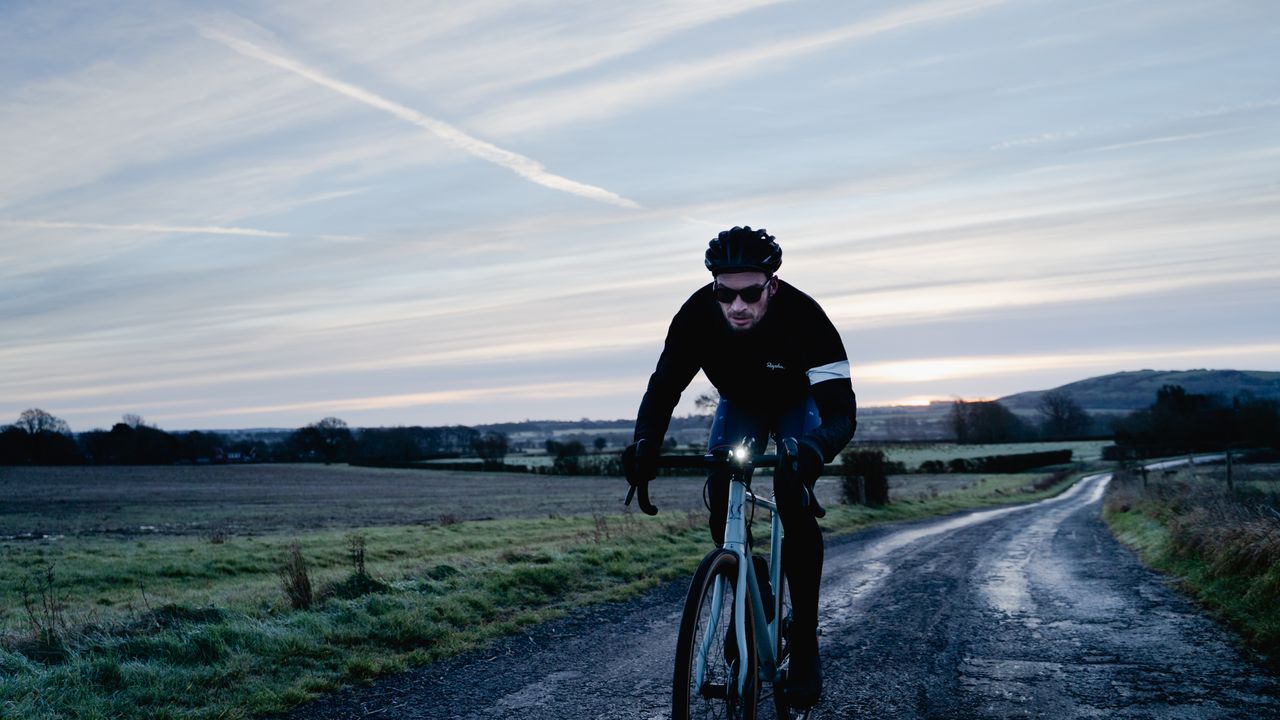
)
(793, 351)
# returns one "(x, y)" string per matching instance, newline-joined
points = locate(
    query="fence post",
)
(1235, 422)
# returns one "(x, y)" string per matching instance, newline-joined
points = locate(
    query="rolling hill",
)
(1133, 390)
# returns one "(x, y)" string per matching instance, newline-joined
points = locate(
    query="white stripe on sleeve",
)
(830, 371)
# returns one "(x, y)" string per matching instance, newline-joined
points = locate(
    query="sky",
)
(259, 214)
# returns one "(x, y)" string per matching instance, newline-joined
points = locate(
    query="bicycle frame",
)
(735, 541)
(692, 671)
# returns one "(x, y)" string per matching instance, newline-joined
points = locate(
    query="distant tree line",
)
(139, 444)
(1181, 422)
(1176, 422)
(1060, 418)
(413, 443)
(40, 438)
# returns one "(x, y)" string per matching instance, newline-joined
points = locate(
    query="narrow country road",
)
(1028, 611)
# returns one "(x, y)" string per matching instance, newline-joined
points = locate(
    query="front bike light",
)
(740, 454)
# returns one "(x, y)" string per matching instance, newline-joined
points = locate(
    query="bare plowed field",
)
(276, 498)
(262, 499)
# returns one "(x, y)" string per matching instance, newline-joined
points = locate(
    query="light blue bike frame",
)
(735, 541)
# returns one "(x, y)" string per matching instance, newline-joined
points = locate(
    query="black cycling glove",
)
(640, 461)
(800, 458)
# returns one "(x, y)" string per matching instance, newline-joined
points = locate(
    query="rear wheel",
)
(705, 623)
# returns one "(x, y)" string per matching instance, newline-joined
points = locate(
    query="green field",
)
(156, 592)
(912, 454)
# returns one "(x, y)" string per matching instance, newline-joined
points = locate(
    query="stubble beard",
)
(755, 322)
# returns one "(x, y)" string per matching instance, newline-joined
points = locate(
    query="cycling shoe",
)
(804, 678)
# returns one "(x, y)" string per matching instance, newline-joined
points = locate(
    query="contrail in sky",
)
(147, 227)
(519, 164)
(143, 227)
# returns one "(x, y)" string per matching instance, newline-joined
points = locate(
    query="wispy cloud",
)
(496, 346)
(1057, 136)
(1233, 109)
(532, 391)
(612, 97)
(519, 164)
(595, 34)
(141, 227)
(920, 304)
(163, 195)
(972, 366)
(1042, 138)
(1163, 140)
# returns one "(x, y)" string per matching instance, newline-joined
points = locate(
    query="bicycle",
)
(707, 682)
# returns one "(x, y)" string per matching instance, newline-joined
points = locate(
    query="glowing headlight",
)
(740, 454)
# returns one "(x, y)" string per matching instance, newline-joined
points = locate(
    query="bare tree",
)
(329, 438)
(336, 439)
(707, 401)
(36, 421)
(959, 420)
(1062, 415)
(986, 422)
(132, 420)
(491, 447)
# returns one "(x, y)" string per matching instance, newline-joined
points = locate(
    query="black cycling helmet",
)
(742, 249)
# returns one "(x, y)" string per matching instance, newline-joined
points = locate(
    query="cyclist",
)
(781, 370)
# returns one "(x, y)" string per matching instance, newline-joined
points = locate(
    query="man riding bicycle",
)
(781, 371)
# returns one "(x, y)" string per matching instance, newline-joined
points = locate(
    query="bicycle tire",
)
(716, 698)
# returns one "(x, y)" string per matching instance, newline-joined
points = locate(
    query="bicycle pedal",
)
(714, 691)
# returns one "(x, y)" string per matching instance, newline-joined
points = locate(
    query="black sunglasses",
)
(750, 294)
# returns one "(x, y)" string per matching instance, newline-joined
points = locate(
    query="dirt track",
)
(1032, 611)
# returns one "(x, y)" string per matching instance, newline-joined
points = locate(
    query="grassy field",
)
(912, 454)
(1223, 544)
(158, 591)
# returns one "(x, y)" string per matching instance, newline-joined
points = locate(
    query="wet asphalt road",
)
(1030, 611)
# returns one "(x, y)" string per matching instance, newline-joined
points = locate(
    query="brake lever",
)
(646, 507)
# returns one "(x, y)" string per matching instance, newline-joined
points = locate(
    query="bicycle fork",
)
(735, 541)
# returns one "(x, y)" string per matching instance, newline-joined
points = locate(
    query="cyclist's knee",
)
(795, 508)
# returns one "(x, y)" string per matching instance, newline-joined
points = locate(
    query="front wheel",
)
(705, 633)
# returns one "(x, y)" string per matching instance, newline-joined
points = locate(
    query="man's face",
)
(740, 314)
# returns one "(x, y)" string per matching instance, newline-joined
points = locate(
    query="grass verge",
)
(927, 501)
(1222, 545)
(196, 628)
